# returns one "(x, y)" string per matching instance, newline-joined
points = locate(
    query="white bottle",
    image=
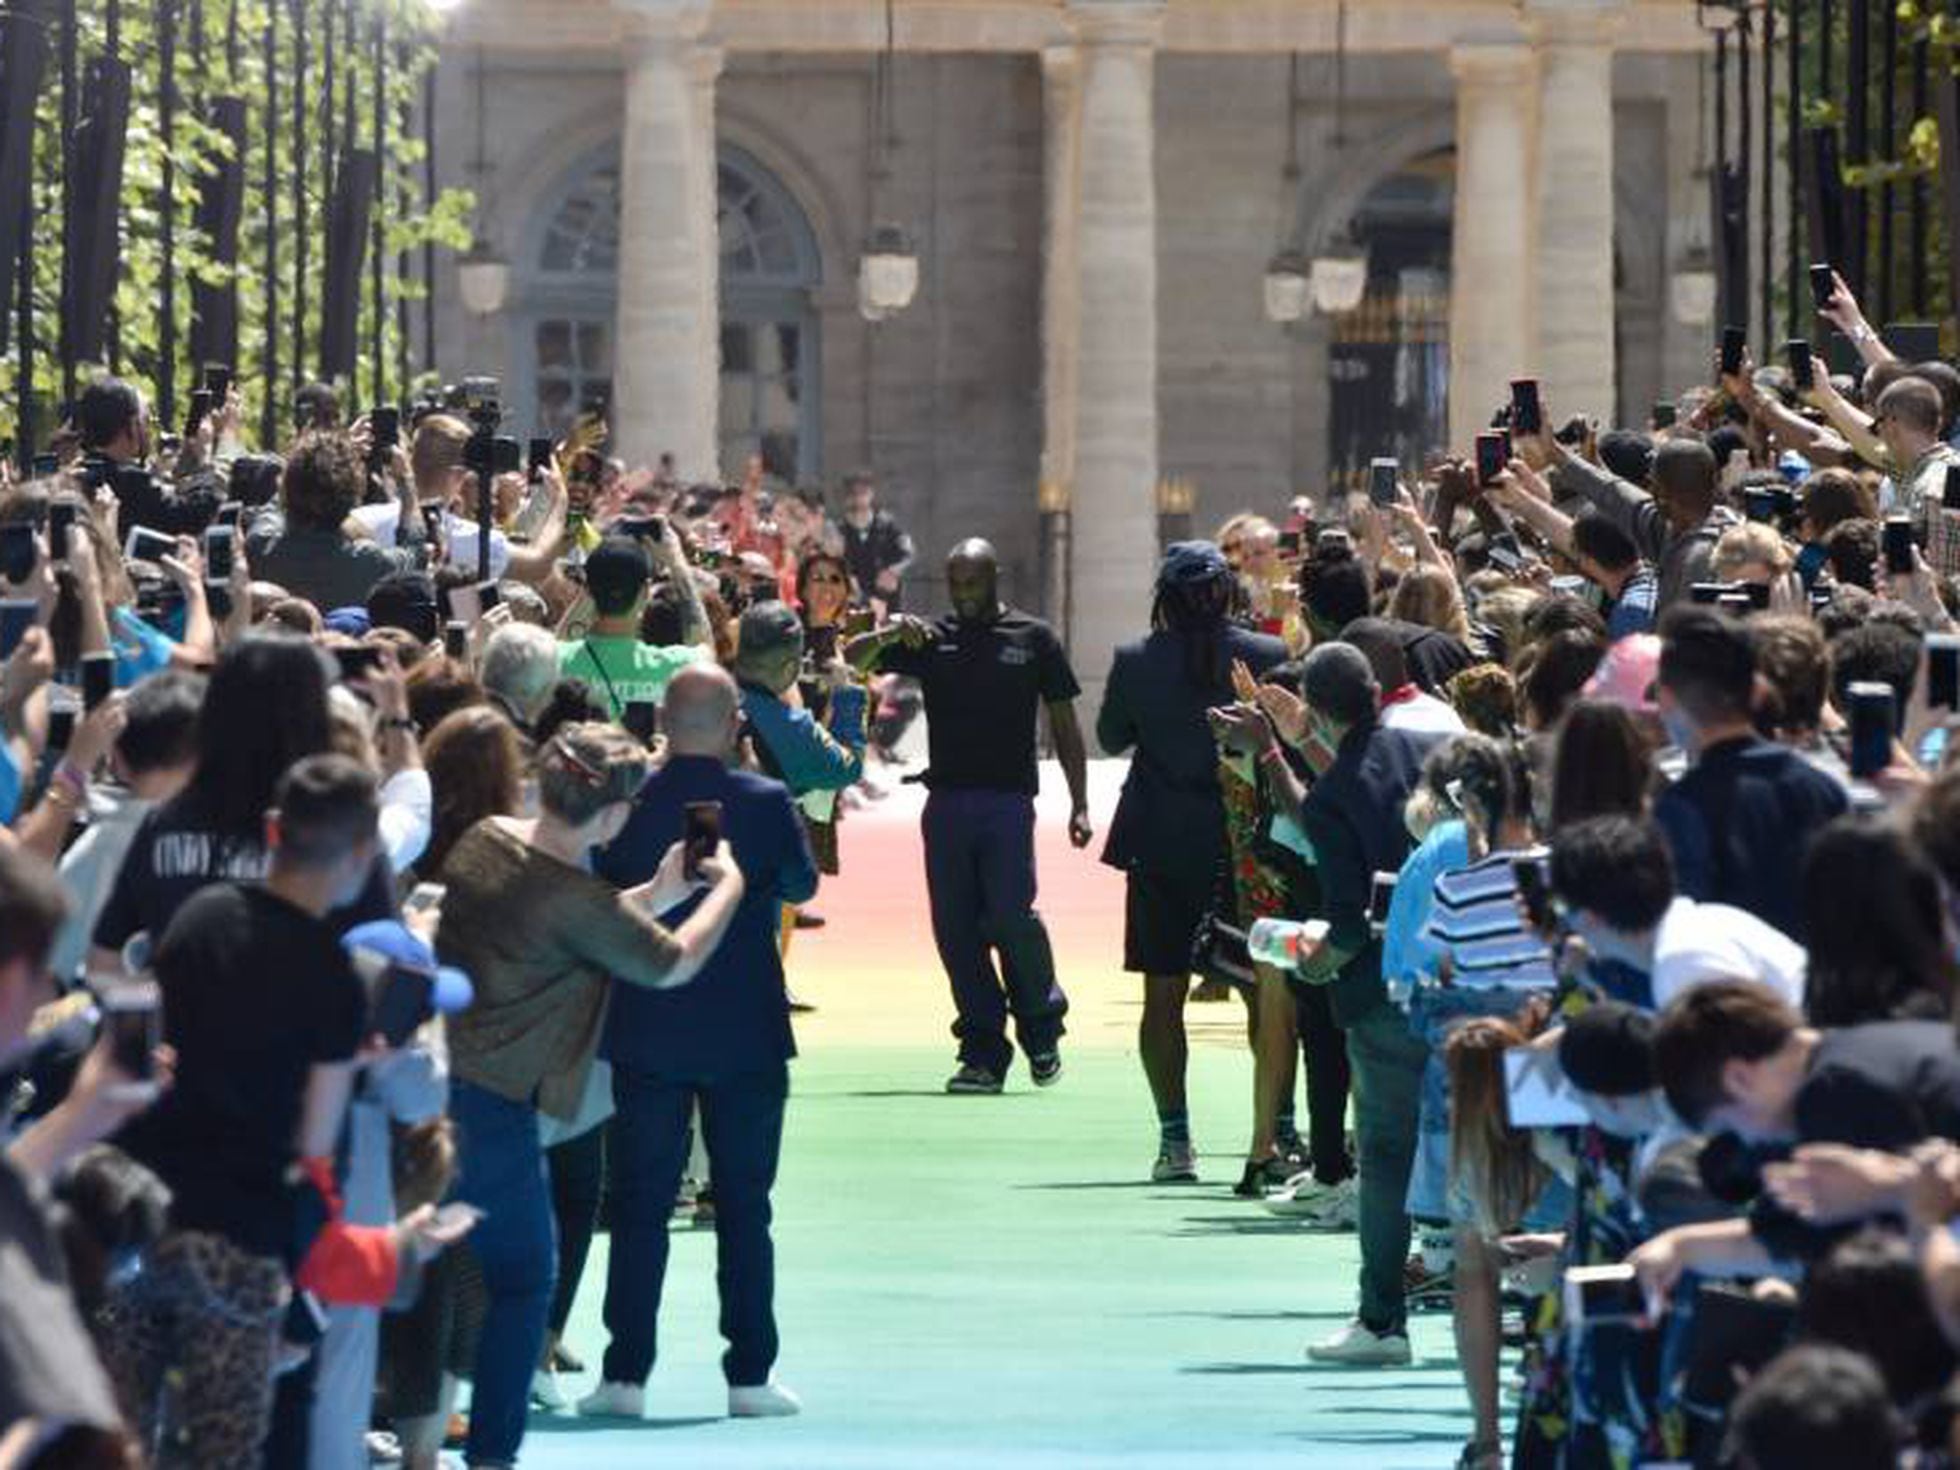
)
(1283, 943)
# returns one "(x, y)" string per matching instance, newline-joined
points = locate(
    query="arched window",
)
(769, 268)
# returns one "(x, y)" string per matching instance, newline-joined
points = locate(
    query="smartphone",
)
(61, 522)
(1874, 724)
(1758, 595)
(820, 644)
(1527, 409)
(62, 715)
(1537, 1094)
(540, 455)
(425, 897)
(465, 604)
(641, 717)
(859, 621)
(217, 382)
(1898, 545)
(144, 544)
(1706, 594)
(488, 595)
(219, 542)
(18, 553)
(1822, 286)
(385, 427)
(132, 482)
(1665, 416)
(46, 465)
(1382, 474)
(455, 1217)
(1491, 458)
(1289, 543)
(399, 1002)
(1796, 352)
(16, 617)
(98, 678)
(1758, 504)
(1506, 558)
(132, 1025)
(1381, 894)
(1735, 342)
(702, 835)
(1737, 602)
(1601, 1294)
(1942, 671)
(1534, 885)
(643, 528)
(200, 410)
(356, 660)
(231, 513)
(456, 639)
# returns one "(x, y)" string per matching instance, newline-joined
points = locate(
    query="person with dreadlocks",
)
(1168, 833)
(985, 670)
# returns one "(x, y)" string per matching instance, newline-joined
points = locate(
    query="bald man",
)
(723, 1043)
(987, 671)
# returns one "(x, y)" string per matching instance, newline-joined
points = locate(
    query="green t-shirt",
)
(622, 670)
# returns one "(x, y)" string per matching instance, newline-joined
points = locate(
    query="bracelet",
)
(70, 777)
(397, 722)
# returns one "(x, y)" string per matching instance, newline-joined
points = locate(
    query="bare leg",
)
(1160, 1037)
(1475, 1313)
(1275, 1047)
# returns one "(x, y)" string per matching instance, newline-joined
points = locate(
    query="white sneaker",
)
(1354, 1346)
(1301, 1195)
(547, 1393)
(614, 1401)
(763, 1401)
(1336, 1207)
(383, 1447)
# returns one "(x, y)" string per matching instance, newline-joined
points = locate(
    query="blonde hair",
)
(587, 767)
(1493, 1164)
(1429, 596)
(1749, 542)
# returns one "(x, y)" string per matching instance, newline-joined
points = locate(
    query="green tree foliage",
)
(264, 60)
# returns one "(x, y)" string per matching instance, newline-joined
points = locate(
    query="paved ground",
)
(969, 1282)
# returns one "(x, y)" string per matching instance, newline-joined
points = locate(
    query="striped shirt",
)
(1477, 923)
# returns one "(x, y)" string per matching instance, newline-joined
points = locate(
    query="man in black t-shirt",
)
(876, 550)
(986, 670)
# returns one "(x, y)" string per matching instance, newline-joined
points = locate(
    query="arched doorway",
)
(1388, 361)
(770, 269)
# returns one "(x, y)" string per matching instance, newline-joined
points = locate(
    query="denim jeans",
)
(980, 874)
(502, 1173)
(742, 1124)
(1387, 1059)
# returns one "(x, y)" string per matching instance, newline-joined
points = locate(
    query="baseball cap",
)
(1189, 563)
(390, 942)
(350, 622)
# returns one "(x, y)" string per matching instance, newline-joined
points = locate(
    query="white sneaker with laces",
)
(1301, 1195)
(1336, 1207)
(547, 1393)
(1355, 1346)
(614, 1401)
(763, 1401)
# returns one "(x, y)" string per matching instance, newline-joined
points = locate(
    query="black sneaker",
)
(1045, 1069)
(972, 1081)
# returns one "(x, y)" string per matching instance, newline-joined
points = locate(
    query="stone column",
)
(1060, 309)
(1112, 283)
(705, 65)
(1574, 285)
(1492, 317)
(663, 400)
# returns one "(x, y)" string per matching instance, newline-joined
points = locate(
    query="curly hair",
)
(323, 480)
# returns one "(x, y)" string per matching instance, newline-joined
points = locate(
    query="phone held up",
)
(702, 835)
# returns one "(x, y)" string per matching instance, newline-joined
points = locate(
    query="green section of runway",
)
(985, 1282)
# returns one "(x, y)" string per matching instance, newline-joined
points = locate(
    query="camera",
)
(481, 401)
(492, 454)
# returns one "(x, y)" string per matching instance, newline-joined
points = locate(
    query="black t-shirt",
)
(256, 993)
(984, 683)
(176, 851)
(877, 548)
(179, 851)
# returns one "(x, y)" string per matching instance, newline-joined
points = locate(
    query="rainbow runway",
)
(989, 1281)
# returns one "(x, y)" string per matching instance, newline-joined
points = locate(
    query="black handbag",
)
(1218, 948)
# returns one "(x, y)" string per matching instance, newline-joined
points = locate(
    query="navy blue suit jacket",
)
(733, 1016)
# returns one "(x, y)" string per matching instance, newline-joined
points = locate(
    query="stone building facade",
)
(1094, 188)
